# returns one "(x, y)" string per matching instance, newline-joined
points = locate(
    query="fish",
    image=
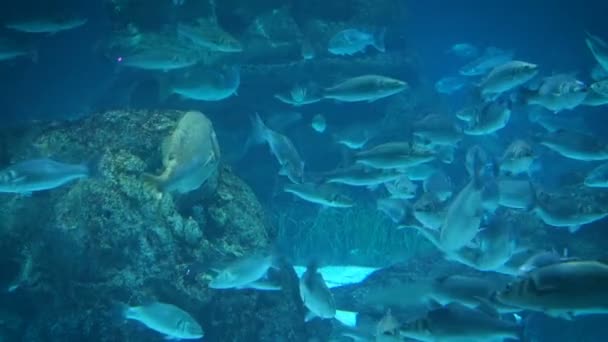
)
(320, 194)
(307, 50)
(436, 130)
(557, 93)
(41, 174)
(282, 148)
(565, 289)
(167, 319)
(10, 50)
(190, 155)
(517, 158)
(401, 188)
(465, 212)
(355, 136)
(598, 177)
(496, 247)
(244, 272)
(450, 84)
(318, 123)
(27, 274)
(351, 41)
(282, 120)
(540, 259)
(595, 99)
(394, 155)
(575, 145)
(553, 123)
(558, 210)
(395, 209)
(599, 49)
(507, 76)
(466, 290)
(492, 117)
(361, 176)
(600, 87)
(458, 323)
(161, 58)
(598, 73)
(468, 113)
(300, 95)
(315, 295)
(429, 210)
(490, 59)
(419, 173)
(516, 193)
(204, 84)
(365, 88)
(208, 34)
(50, 25)
(440, 184)
(463, 50)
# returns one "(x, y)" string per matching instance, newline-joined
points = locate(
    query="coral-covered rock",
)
(111, 238)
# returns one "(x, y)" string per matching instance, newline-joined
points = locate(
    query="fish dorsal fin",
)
(486, 307)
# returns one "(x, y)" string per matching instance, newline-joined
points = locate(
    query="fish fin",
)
(92, 166)
(574, 228)
(309, 316)
(486, 306)
(378, 41)
(26, 194)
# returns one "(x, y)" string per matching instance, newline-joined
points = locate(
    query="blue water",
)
(76, 80)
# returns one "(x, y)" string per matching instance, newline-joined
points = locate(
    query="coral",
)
(111, 238)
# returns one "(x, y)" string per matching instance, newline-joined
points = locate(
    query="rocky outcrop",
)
(112, 239)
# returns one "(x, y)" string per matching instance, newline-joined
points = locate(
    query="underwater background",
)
(285, 170)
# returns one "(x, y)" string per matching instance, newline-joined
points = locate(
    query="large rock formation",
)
(111, 239)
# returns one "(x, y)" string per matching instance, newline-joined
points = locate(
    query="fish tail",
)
(378, 41)
(259, 129)
(93, 166)
(156, 182)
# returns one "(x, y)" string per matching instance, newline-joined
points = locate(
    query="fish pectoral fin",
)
(26, 194)
(172, 338)
(574, 228)
(309, 316)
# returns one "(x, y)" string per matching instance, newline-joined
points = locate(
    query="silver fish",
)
(191, 155)
(599, 49)
(204, 84)
(351, 41)
(209, 35)
(282, 148)
(458, 323)
(515, 193)
(40, 174)
(315, 295)
(450, 84)
(598, 177)
(492, 117)
(361, 176)
(394, 155)
(243, 273)
(10, 50)
(507, 76)
(517, 158)
(465, 212)
(365, 88)
(50, 25)
(575, 145)
(166, 319)
(300, 95)
(565, 289)
(558, 93)
(320, 194)
(491, 58)
(436, 130)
